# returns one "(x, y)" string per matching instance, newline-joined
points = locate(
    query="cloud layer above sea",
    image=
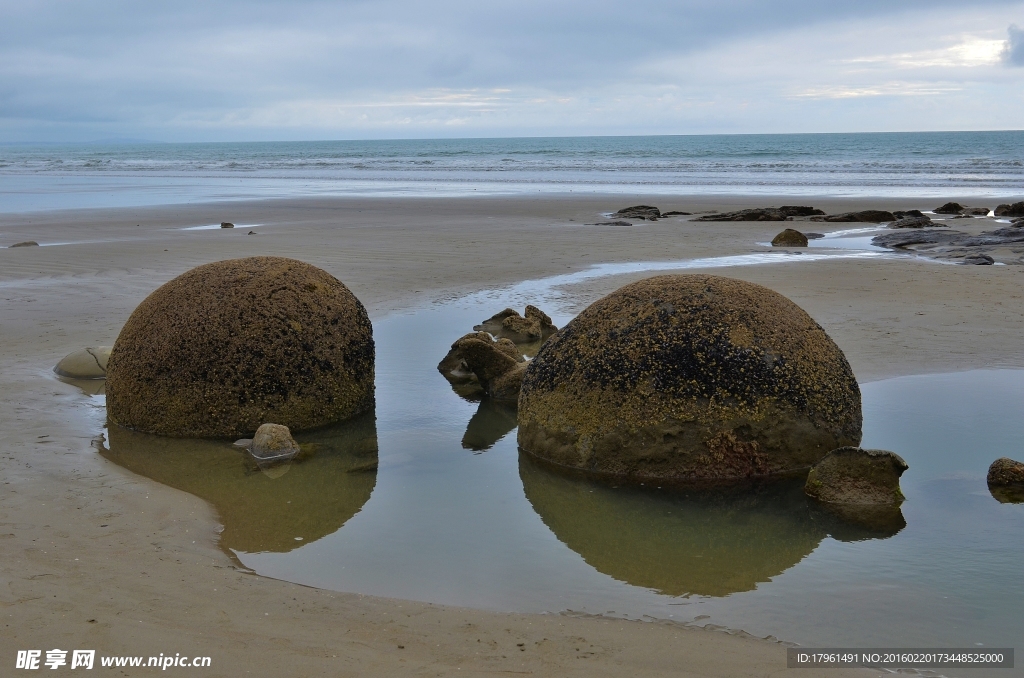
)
(400, 68)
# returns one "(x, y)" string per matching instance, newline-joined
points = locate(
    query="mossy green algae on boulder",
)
(228, 346)
(689, 378)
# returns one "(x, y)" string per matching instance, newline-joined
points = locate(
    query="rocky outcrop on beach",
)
(956, 239)
(1014, 210)
(228, 346)
(85, 363)
(854, 476)
(922, 221)
(226, 224)
(978, 260)
(902, 214)
(273, 443)
(790, 238)
(689, 378)
(949, 208)
(864, 216)
(611, 223)
(642, 212)
(27, 243)
(784, 213)
(534, 326)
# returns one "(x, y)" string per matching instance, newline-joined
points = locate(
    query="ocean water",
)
(920, 164)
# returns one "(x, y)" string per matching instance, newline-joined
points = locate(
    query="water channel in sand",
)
(452, 513)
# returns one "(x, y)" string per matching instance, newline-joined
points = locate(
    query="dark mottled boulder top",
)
(654, 379)
(233, 344)
(931, 236)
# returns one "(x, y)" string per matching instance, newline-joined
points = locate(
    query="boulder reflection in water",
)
(688, 542)
(278, 510)
(492, 421)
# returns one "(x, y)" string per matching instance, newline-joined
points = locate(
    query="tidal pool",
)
(429, 499)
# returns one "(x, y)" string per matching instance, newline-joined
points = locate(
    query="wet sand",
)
(98, 558)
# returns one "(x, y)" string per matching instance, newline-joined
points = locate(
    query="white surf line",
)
(544, 290)
(210, 227)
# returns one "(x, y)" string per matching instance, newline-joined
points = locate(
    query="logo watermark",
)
(86, 659)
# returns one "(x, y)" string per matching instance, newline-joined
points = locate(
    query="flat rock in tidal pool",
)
(86, 363)
(855, 476)
(790, 238)
(27, 243)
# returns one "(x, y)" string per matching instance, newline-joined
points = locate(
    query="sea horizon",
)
(131, 173)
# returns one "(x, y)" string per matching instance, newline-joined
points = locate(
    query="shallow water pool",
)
(428, 498)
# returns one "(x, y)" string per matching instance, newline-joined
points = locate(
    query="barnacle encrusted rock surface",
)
(690, 378)
(227, 346)
(851, 475)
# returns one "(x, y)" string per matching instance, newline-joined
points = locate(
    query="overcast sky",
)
(211, 71)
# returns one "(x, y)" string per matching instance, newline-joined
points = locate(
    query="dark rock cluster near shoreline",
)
(971, 249)
(784, 213)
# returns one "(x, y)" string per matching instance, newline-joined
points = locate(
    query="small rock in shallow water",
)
(900, 214)
(500, 374)
(252, 233)
(977, 211)
(1005, 471)
(852, 475)
(226, 224)
(86, 363)
(273, 442)
(244, 443)
(27, 243)
(790, 238)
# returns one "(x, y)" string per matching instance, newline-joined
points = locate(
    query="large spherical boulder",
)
(228, 346)
(689, 378)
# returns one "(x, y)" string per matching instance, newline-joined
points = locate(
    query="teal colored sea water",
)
(919, 164)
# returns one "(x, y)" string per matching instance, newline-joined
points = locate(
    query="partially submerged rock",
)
(790, 238)
(901, 214)
(1006, 471)
(1014, 210)
(784, 213)
(454, 367)
(227, 346)
(863, 216)
(689, 378)
(273, 443)
(86, 363)
(27, 243)
(976, 211)
(642, 212)
(500, 375)
(854, 476)
(226, 224)
(611, 223)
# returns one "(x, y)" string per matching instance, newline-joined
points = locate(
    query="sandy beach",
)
(96, 557)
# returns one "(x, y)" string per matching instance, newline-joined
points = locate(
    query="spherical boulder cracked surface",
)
(689, 378)
(228, 346)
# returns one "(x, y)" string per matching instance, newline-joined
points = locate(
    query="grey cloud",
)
(1013, 54)
(159, 65)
